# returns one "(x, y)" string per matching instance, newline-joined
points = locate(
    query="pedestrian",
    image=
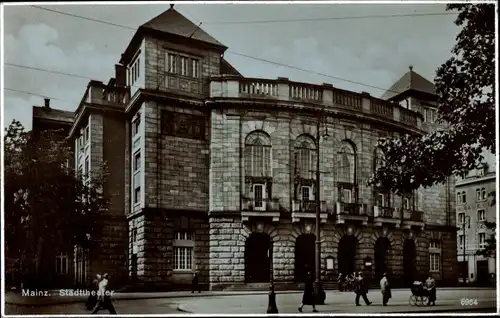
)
(195, 286)
(361, 290)
(308, 298)
(340, 282)
(385, 289)
(94, 288)
(104, 297)
(430, 286)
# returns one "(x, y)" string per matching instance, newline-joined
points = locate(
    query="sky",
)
(371, 51)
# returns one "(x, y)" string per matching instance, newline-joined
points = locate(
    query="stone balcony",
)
(307, 210)
(287, 93)
(413, 218)
(350, 212)
(265, 208)
(383, 215)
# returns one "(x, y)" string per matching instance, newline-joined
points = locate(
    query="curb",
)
(79, 299)
(182, 309)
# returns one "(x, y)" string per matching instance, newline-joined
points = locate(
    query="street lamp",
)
(272, 308)
(318, 289)
(466, 221)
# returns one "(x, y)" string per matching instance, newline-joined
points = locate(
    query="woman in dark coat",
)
(308, 296)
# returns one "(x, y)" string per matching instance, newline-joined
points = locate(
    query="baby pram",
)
(419, 294)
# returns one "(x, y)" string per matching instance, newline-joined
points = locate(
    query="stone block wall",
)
(155, 67)
(155, 235)
(176, 169)
(228, 237)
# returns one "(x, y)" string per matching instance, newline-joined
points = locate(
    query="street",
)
(448, 300)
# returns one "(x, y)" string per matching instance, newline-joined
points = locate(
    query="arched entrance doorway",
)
(382, 247)
(409, 261)
(258, 256)
(347, 254)
(305, 256)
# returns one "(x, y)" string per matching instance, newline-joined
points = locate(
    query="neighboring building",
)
(475, 206)
(214, 172)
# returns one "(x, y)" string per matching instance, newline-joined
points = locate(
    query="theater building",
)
(215, 172)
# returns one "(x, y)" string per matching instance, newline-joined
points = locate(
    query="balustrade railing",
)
(349, 208)
(347, 99)
(307, 206)
(284, 90)
(385, 212)
(415, 216)
(252, 204)
(258, 87)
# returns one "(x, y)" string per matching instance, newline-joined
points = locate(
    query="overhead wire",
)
(230, 51)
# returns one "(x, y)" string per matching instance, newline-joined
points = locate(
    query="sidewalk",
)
(55, 298)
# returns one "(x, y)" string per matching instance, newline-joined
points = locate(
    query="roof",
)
(227, 68)
(173, 22)
(410, 81)
(47, 113)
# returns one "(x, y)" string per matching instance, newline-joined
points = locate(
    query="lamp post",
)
(272, 308)
(466, 221)
(318, 289)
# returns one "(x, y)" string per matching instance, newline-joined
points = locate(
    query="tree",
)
(46, 202)
(465, 85)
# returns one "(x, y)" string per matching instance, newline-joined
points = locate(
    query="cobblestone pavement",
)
(337, 302)
(137, 306)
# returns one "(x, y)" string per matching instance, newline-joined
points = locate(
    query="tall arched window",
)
(346, 163)
(258, 155)
(305, 157)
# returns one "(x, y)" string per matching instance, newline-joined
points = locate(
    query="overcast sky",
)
(374, 51)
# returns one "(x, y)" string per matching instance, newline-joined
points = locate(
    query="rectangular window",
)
(184, 65)
(137, 175)
(381, 200)
(87, 166)
(136, 125)
(62, 264)
(347, 196)
(461, 218)
(482, 240)
(434, 262)
(183, 251)
(481, 215)
(87, 134)
(171, 66)
(406, 203)
(195, 68)
(306, 193)
(461, 241)
(137, 161)
(258, 195)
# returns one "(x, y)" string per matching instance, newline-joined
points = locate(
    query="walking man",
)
(308, 298)
(94, 288)
(386, 289)
(361, 290)
(104, 297)
(195, 286)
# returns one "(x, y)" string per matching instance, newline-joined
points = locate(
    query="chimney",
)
(47, 102)
(120, 75)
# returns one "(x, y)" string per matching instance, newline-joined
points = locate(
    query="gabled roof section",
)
(411, 81)
(227, 69)
(171, 21)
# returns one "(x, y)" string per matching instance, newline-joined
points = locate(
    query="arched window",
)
(478, 194)
(464, 197)
(346, 163)
(483, 194)
(378, 158)
(459, 198)
(305, 157)
(258, 155)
